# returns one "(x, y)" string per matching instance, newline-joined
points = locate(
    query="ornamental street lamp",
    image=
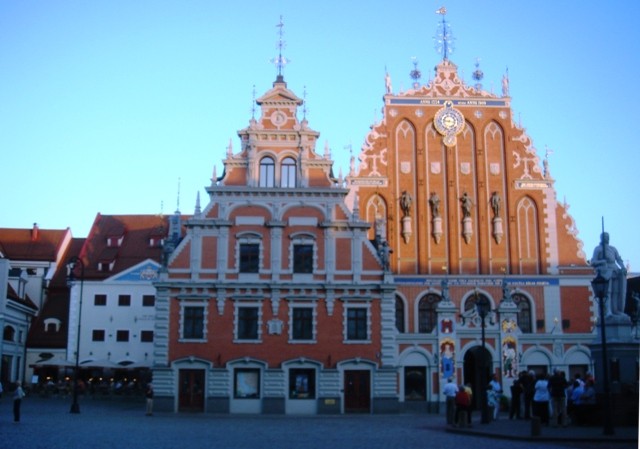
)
(71, 266)
(600, 287)
(483, 307)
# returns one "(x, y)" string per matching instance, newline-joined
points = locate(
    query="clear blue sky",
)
(104, 105)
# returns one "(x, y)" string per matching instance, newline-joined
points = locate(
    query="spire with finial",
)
(415, 73)
(280, 61)
(214, 177)
(387, 81)
(356, 206)
(478, 75)
(197, 211)
(304, 103)
(230, 148)
(327, 150)
(545, 162)
(253, 103)
(178, 198)
(505, 83)
(444, 38)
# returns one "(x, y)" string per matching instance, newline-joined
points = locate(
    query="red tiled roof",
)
(26, 301)
(137, 230)
(57, 306)
(32, 244)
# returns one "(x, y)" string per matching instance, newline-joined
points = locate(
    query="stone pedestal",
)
(622, 355)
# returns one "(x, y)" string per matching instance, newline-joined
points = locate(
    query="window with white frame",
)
(288, 173)
(193, 319)
(302, 323)
(267, 172)
(357, 323)
(248, 319)
(249, 252)
(302, 383)
(303, 254)
(246, 383)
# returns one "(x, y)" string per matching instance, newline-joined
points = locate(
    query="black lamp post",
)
(600, 287)
(483, 307)
(71, 266)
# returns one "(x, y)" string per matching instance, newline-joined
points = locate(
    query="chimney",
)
(35, 232)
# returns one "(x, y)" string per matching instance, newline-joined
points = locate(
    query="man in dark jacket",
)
(557, 389)
(516, 392)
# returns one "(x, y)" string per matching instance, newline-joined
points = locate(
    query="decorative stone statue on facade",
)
(405, 206)
(496, 203)
(607, 262)
(436, 220)
(467, 228)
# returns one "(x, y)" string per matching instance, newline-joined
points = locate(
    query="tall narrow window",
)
(357, 323)
(524, 312)
(267, 172)
(399, 315)
(248, 323)
(288, 172)
(302, 258)
(302, 320)
(427, 317)
(193, 322)
(249, 257)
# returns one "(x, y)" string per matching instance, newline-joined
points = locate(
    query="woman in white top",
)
(541, 399)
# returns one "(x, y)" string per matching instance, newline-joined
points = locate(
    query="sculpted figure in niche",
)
(434, 202)
(467, 204)
(495, 204)
(405, 203)
(607, 262)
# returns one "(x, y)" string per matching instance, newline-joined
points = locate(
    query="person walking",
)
(18, 394)
(149, 396)
(450, 390)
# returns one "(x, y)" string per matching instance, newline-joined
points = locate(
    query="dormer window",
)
(267, 172)
(106, 266)
(155, 241)
(52, 325)
(115, 241)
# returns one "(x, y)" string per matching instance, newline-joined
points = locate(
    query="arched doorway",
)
(477, 372)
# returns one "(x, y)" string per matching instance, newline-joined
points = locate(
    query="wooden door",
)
(191, 396)
(357, 391)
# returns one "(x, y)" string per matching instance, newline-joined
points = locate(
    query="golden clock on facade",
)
(449, 122)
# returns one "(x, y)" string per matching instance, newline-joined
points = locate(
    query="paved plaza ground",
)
(115, 423)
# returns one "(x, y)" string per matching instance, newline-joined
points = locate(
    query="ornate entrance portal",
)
(477, 372)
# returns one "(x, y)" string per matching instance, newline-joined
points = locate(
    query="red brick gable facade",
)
(275, 298)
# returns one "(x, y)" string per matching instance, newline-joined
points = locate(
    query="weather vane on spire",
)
(280, 61)
(444, 38)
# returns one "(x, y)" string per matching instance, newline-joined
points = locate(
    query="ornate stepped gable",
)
(277, 132)
(454, 141)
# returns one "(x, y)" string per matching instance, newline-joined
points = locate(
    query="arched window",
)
(427, 317)
(524, 312)
(399, 315)
(267, 172)
(9, 333)
(288, 173)
(470, 303)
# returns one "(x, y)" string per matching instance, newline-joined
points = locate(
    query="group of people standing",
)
(551, 398)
